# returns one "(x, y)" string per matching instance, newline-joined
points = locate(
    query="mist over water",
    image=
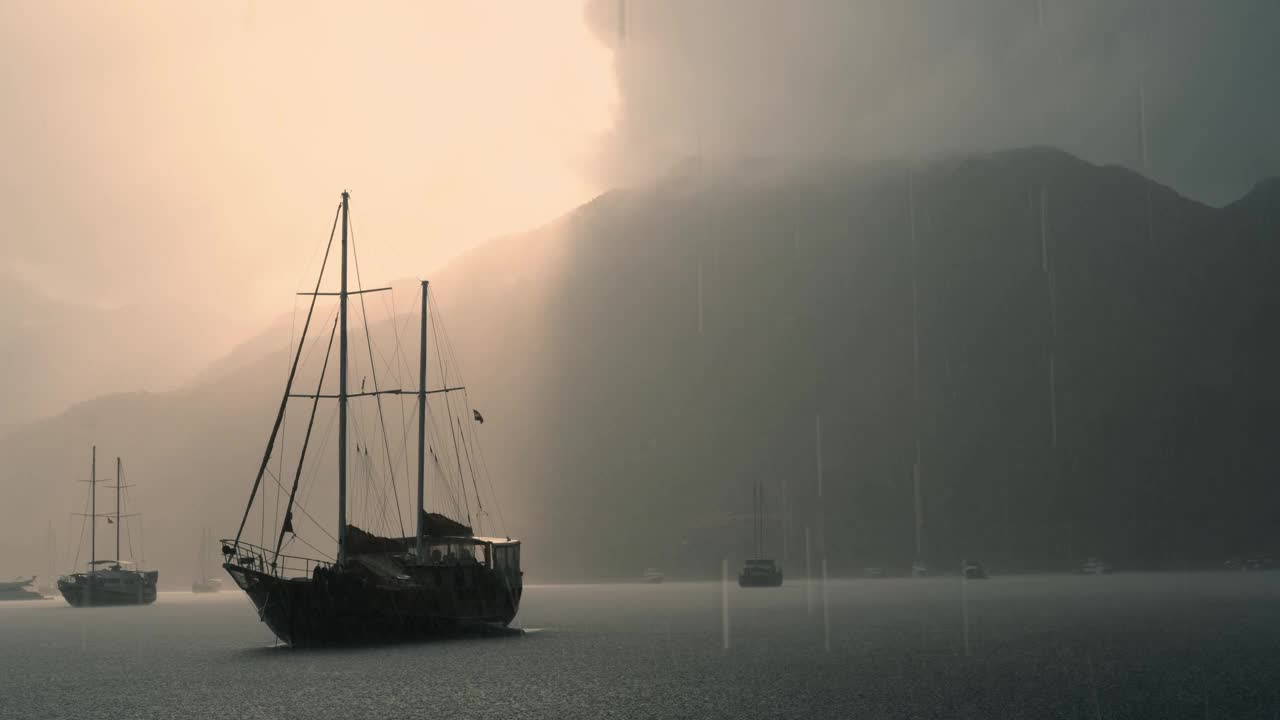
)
(885, 292)
(1166, 645)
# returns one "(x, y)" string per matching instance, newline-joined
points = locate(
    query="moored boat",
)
(108, 582)
(203, 583)
(443, 579)
(19, 589)
(759, 571)
(1095, 566)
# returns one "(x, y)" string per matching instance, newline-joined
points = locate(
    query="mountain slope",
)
(1102, 387)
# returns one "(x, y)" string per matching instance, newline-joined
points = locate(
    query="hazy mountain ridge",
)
(56, 353)
(610, 404)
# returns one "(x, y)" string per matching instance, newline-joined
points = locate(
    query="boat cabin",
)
(492, 553)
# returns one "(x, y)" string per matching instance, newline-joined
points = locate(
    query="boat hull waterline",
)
(87, 590)
(760, 579)
(347, 608)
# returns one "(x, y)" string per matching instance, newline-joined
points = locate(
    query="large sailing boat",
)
(441, 580)
(107, 582)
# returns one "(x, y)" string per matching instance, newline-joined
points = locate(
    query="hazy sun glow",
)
(193, 152)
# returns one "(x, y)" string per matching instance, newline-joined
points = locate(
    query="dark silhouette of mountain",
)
(1155, 309)
(1104, 387)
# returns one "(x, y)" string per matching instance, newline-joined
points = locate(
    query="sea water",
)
(1166, 645)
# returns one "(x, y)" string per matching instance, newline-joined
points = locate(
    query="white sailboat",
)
(108, 582)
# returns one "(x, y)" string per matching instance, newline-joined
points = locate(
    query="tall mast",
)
(117, 510)
(53, 550)
(93, 510)
(342, 394)
(759, 518)
(422, 429)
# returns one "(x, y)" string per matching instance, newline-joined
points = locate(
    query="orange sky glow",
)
(194, 152)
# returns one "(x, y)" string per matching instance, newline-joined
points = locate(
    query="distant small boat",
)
(1095, 566)
(874, 571)
(1258, 561)
(19, 589)
(208, 585)
(759, 571)
(48, 584)
(652, 576)
(973, 570)
(920, 569)
(203, 583)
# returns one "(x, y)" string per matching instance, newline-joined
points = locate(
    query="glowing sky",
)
(194, 152)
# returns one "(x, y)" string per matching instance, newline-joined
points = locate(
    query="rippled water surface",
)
(1123, 646)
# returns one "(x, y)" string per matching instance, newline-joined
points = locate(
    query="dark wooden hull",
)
(87, 591)
(355, 608)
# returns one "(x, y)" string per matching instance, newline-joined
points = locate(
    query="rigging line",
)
(128, 534)
(313, 547)
(304, 511)
(400, 366)
(310, 480)
(434, 442)
(474, 486)
(446, 475)
(381, 495)
(374, 497)
(448, 406)
(306, 357)
(457, 511)
(87, 503)
(451, 355)
(404, 428)
(370, 497)
(374, 508)
(395, 334)
(306, 440)
(284, 422)
(484, 467)
(373, 373)
(288, 387)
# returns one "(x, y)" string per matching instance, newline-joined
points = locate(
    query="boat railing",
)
(266, 561)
